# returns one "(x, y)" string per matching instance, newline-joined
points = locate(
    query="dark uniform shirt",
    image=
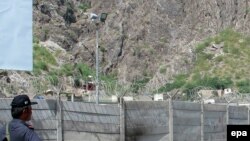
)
(19, 131)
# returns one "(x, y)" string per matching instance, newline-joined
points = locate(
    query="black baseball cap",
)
(21, 101)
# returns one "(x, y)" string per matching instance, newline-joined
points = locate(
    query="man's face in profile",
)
(27, 113)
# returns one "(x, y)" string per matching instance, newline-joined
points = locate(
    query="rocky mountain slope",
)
(144, 42)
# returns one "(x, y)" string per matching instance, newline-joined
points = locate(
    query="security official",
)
(18, 129)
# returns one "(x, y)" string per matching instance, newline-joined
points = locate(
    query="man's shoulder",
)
(17, 123)
(18, 127)
(2, 132)
(18, 130)
(2, 128)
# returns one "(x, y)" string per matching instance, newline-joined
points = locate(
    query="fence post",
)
(248, 112)
(202, 120)
(122, 120)
(72, 97)
(170, 121)
(227, 113)
(59, 118)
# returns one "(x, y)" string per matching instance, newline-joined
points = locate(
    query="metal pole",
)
(170, 122)
(248, 118)
(202, 119)
(72, 97)
(59, 118)
(227, 113)
(97, 65)
(122, 120)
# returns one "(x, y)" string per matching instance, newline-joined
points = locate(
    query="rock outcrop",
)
(140, 39)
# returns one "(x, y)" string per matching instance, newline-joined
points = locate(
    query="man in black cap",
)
(18, 129)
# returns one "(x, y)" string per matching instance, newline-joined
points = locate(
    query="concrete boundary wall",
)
(186, 121)
(56, 120)
(146, 121)
(214, 122)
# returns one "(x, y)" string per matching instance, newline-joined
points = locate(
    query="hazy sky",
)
(16, 34)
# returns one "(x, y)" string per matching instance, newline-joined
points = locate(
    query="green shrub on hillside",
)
(187, 86)
(229, 35)
(163, 69)
(200, 47)
(35, 39)
(53, 79)
(178, 83)
(77, 82)
(84, 70)
(84, 6)
(211, 82)
(138, 84)
(244, 86)
(217, 40)
(219, 59)
(40, 65)
(67, 70)
(42, 59)
(41, 53)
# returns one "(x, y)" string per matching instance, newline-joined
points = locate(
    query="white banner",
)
(16, 35)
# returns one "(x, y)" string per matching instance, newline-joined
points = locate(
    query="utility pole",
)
(97, 63)
(97, 19)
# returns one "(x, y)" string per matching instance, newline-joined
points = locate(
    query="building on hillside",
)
(143, 98)
(158, 97)
(128, 98)
(228, 91)
(206, 94)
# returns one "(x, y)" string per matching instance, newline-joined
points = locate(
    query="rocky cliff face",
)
(141, 39)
